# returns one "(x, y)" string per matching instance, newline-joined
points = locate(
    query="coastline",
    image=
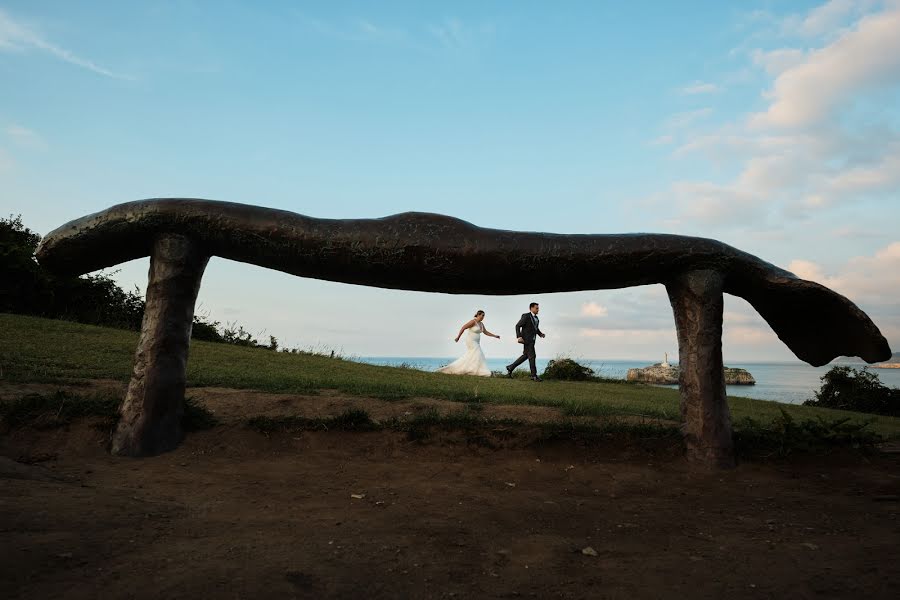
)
(777, 381)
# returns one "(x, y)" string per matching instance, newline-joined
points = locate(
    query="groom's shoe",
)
(509, 371)
(536, 378)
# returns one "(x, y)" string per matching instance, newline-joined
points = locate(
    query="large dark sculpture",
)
(434, 253)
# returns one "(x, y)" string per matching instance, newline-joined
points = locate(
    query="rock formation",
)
(663, 374)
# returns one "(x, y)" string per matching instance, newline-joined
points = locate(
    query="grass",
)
(50, 411)
(350, 420)
(476, 429)
(38, 350)
(785, 436)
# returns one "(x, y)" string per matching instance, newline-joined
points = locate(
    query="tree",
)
(846, 388)
(26, 288)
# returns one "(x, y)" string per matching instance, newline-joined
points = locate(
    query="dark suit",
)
(528, 328)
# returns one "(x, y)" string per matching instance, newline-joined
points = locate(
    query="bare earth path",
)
(236, 514)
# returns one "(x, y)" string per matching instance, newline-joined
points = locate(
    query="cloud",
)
(455, 35)
(450, 34)
(880, 177)
(748, 336)
(700, 87)
(360, 30)
(683, 119)
(18, 37)
(708, 203)
(592, 309)
(830, 16)
(778, 61)
(25, 137)
(855, 232)
(645, 308)
(805, 269)
(870, 281)
(865, 57)
(827, 136)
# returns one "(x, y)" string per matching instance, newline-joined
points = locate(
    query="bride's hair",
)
(480, 312)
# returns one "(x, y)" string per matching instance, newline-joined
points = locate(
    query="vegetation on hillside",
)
(566, 369)
(861, 390)
(33, 349)
(29, 289)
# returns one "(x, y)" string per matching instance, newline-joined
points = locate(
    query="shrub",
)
(785, 436)
(48, 411)
(26, 288)
(237, 336)
(205, 330)
(567, 369)
(846, 388)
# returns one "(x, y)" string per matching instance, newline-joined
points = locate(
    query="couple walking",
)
(473, 363)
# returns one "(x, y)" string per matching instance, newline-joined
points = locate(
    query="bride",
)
(472, 362)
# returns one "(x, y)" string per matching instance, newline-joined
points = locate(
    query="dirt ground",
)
(234, 513)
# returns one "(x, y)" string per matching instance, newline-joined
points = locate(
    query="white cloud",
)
(360, 30)
(778, 61)
(830, 16)
(683, 119)
(883, 176)
(805, 269)
(592, 309)
(25, 137)
(663, 140)
(16, 36)
(873, 282)
(865, 57)
(450, 34)
(458, 36)
(826, 138)
(700, 87)
(743, 337)
(854, 232)
(708, 203)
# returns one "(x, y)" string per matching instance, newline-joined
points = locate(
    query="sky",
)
(773, 126)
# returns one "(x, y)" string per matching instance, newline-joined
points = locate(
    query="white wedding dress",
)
(472, 362)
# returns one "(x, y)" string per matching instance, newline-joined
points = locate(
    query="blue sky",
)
(772, 126)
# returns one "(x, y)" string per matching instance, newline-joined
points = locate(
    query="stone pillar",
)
(151, 413)
(696, 299)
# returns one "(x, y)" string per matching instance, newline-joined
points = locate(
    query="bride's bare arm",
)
(468, 324)
(494, 335)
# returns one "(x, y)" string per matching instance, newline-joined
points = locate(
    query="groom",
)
(527, 329)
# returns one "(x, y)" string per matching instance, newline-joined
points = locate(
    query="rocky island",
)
(665, 374)
(893, 363)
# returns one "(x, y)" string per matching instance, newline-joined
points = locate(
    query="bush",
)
(567, 369)
(846, 388)
(206, 331)
(785, 436)
(26, 288)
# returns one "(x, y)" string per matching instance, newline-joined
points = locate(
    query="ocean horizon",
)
(785, 381)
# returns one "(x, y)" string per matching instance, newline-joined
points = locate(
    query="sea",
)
(788, 382)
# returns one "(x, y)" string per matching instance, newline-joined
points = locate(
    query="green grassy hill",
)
(44, 350)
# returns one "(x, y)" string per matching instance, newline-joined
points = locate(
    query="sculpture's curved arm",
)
(427, 252)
